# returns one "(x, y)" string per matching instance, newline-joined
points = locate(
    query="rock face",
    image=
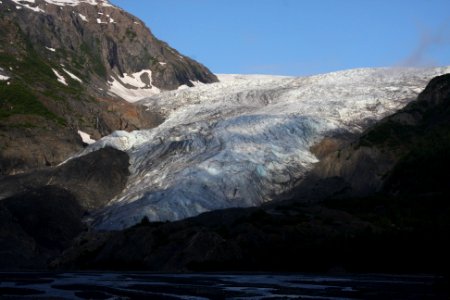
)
(99, 39)
(372, 162)
(92, 179)
(36, 226)
(42, 211)
(70, 65)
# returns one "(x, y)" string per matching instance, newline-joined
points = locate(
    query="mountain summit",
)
(69, 66)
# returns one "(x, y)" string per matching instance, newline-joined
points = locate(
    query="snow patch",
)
(3, 77)
(27, 3)
(135, 79)
(86, 138)
(73, 76)
(103, 3)
(131, 87)
(50, 49)
(60, 77)
(83, 17)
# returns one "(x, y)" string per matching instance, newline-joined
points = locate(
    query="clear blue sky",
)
(300, 37)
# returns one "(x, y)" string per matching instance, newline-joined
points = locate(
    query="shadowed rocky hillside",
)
(42, 211)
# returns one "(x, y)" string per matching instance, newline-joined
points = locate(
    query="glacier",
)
(244, 140)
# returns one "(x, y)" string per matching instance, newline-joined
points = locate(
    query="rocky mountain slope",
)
(75, 65)
(401, 228)
(418, 132)
(246, 140)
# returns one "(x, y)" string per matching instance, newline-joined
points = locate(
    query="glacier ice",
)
(244, 140)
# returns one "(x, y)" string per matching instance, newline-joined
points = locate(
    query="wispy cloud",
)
(428, 40)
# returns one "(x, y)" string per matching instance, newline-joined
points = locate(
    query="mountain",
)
(245, 140)
(117, 152)
(75, 65)
(401, 227)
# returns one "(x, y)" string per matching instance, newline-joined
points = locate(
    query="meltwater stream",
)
(242, 141)
(218, 286)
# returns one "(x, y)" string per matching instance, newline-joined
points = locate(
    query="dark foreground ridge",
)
(41, 212)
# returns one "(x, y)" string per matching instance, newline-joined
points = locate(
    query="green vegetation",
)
(130, 34)
(94, 58)
(32, 80)
(99, 68)
(148, 57)
(17, 98)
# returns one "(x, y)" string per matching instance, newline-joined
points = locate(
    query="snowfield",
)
(34, 6)
(2, 76)
(133, 87)
(244, 140)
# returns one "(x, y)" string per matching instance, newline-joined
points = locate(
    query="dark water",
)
(217, 286)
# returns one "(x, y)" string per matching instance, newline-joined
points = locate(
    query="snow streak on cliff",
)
(246, 139)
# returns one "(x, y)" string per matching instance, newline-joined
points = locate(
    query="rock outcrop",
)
(42, 212)
(92, 179)
(36, 226)
(372, 162)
